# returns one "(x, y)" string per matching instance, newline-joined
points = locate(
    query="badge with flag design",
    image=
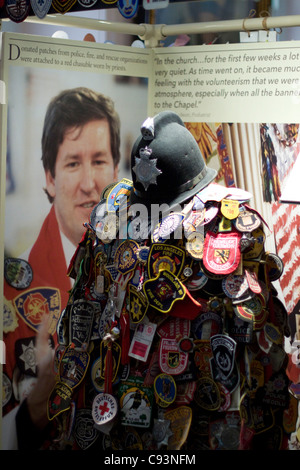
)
(230, 208)
(222, 252)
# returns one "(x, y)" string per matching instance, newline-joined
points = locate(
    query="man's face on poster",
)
(84, 167)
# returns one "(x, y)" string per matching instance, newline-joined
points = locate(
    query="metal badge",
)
(230, 208)
(255, 249)
(195, 245)
(25, 355)
(247, 221)
(161, 432)
(145, 168)
(167, 227)
(107, 227)
(142, 254)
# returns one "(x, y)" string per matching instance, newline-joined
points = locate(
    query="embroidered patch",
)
(33, 304)
(222, 252)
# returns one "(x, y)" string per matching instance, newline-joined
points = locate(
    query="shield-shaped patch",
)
(223, 349)
(222, 252)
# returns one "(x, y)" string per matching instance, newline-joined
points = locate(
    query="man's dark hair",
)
(73, 109)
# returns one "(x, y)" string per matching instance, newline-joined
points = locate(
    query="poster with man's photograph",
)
(37, 72)
(73, 111)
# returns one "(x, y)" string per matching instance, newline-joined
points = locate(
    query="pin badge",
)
(230, 208)
(145, 168)
(104, 408)
(195, 245)
(247, 221)
(169, 225)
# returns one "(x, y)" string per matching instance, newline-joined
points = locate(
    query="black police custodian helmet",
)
(166, 163)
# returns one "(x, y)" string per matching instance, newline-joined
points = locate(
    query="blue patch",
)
(128, 8)
(40, 7)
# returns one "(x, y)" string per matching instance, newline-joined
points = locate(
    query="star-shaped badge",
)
(28, 356)
(145, 169)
